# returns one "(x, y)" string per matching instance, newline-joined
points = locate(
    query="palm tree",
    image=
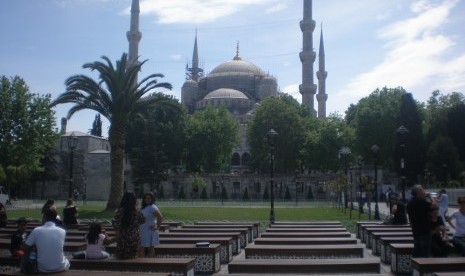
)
(118, 97)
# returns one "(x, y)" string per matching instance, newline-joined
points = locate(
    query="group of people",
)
(427, 218)
(136, 233)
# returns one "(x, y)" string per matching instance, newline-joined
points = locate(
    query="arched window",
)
(245, 159)
(236, 159)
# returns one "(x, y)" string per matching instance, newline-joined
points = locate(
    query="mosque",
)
(241, 85)
(237, 84)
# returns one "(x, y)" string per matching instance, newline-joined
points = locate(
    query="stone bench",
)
(375, 236)
(360, 224)
(207, 259)
(236, 236)
(255, 225)
(69, 246)
(281, 266)
(306, 235)
(401, 255)
(249, 228)
(306, 230)
(304, 241)
(226, 252)
(366, 232)
(385, 250)
(244, 232)
(311, 222)
(16, 271)
(178, 266)
(306, 226)
(340, 251)
(428, 266)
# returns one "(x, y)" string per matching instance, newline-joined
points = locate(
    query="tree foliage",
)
(26, 131)
(285, 117)
(118, 96)
(211, 135)
(96, 129)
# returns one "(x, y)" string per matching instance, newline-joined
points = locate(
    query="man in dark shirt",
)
(18, 238)
(418, 210)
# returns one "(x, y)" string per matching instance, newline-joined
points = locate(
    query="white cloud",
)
(416, 56)
(293, 90)
(192, 11)
(277, 8)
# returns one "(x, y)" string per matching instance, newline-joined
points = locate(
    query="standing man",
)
(49, 241)
(418, 209)
(443, 204)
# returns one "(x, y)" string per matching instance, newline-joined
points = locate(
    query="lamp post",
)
(402, 131)
(72, 144)
(351, 195)
(345, 151)
(222, 187)
(272, 135)
(375, 150)
(360, 206)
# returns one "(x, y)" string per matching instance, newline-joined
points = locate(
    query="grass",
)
(188, 212)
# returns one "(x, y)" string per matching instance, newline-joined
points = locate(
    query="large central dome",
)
(237, 66)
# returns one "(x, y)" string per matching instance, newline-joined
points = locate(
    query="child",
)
(95, 240)
(18, 239)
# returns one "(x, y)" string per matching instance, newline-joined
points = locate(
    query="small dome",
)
(225, 93)
(190, 83)
(237, 66)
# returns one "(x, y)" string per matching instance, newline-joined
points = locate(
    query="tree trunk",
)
(117, 142)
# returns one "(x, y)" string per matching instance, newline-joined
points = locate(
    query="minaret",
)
(195, 73)
(307, 57)
(133, 34)
(321, 97)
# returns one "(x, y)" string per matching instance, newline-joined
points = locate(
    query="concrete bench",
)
(306, 226)
(226, 252)
(428, 266)
(182, 266)
(16, 271)
(70, 246)
(360, 265)
(306, 235)
(366, 232)
(385, 249)
(249, 228)
(307, 230)
(401, 256)
(236, 236)
(340, 251)
(311, 222)
(359, 224)
(374, 237)
(304, 241)
(207, 259)
(255, 225)
(244, 232)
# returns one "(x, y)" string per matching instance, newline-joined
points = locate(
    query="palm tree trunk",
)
(117, 142)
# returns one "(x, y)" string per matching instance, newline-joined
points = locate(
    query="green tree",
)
(285, 117)
(224, 193)
(26, 132)
(203, 195)
(117, 96)
(96, 129)
(443, 152)
(287, 194)
(266, 195)
(155, 142)
(211, 135)
(310, 194)
(456, 128)
(414, 150)
(181, 194)
(161, 193)
(375, 122)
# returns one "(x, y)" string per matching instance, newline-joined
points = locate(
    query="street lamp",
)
(345, 151)
(402, 131)
(272, 135)
(222, 187)
(375, 150)
(72, 144)
(360, 206)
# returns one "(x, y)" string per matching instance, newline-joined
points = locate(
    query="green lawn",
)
(188, 213)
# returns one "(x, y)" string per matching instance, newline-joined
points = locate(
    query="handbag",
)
(29, 261)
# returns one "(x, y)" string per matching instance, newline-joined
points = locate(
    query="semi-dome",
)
(237, 66)
(225, 93)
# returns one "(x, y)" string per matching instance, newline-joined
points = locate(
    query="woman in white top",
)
(459, 217)
(443, 203)
(149, 236)
(95, 240)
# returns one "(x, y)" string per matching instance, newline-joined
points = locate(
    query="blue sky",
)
(415, 44)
